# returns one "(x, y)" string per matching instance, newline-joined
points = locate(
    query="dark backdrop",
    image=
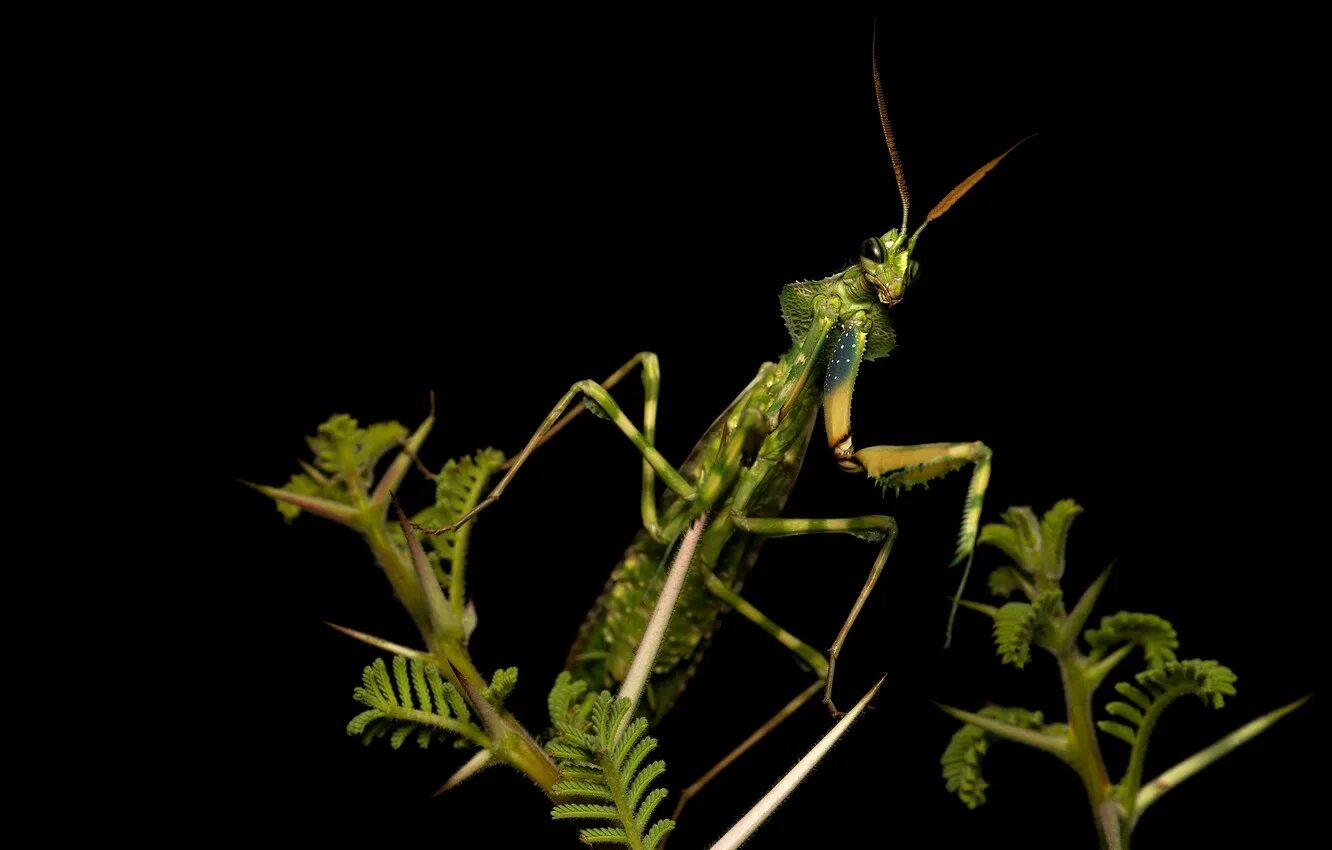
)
(491, 210)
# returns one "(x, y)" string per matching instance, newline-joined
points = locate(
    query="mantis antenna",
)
(888, 130)
(961, 188)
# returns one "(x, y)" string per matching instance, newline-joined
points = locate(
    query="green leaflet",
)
(345, 456)
(603, 775)
(459, 486)
(1037, 617)
(1018, 624)
(411, 700)
(1153, 634)
(966, 750)
(1037, 546)
(502, 683)
(1210, 681)
(1004, 581)
(1054, 535)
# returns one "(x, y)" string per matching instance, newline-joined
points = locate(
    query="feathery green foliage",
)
(413, 700)
(569, 701)
(1153, 634)
(603, 776)
(459, 486)
(1054, 535)
(1018, 624)
(1018, 536)
(1014, 625)
(502, 683)
(1038, 549)
(345, 456)
(962, 759)
(1208, 680)
(1037, 546)
(1004, 581)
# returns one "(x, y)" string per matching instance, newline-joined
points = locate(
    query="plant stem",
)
(520, 749)
(1085, 755)
(399, 573)
(620, 795)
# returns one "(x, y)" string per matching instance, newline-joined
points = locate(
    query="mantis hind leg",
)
(651, 390)
(874, 528)
(757, 735)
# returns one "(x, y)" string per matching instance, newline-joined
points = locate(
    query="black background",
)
(491, 210)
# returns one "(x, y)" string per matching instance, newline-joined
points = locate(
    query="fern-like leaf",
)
(502, 683)
(650, 803)
(343, 451)
(565, 811)
(1004, 581)
(1054, 535)
(1127, 734)
(1210, 681)
(1014, 625)
(413, 699)
(604, 835)
(601, 778)
(962, 758)
(589, 786)
(1154, 635)
(566, 693)
(1009, 538)
(657, 833)
(570, 707)
(1018, 624)
(459, 486)
(1036, 545)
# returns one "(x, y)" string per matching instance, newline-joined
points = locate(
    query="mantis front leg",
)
(900, 466)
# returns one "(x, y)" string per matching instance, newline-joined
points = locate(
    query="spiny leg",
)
(651, 390)
(607, 405)
(906, 466)
(903, 466)
(802, 650)
(873, 528)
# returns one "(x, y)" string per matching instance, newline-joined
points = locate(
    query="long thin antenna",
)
(888, 130)
(962, 188)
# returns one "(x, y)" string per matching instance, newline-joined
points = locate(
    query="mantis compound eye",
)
(872, 249)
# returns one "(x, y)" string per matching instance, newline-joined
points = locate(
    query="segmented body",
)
(741, 465)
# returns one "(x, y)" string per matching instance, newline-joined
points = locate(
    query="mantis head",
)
(885, 261)
(887, 265)
(885, 268)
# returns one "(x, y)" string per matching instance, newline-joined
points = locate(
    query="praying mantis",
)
(742, 469)
(683, 377)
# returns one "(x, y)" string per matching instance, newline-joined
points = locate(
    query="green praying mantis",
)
(681, 381)
(742, 470)
(743, 467)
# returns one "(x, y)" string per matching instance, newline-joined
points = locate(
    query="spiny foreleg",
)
(899, 466)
